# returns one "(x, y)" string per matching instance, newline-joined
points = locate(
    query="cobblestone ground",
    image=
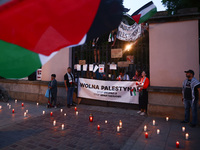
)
(37, 131)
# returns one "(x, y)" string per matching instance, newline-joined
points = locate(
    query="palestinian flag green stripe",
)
(148, 15)
(17, 62)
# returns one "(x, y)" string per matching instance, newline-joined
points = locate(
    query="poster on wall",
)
(78, 67)
(113, 66)
(101, 68)
(85, 67)
(113, 91)
(95, 68)
(91, 66)
(116, 53)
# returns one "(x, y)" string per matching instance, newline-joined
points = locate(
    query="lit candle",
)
(154, 122)
(27, 111)
(16, 101)
(22, 104)
(167, 118)
(120, 124)
(43, 112)
(146, 135)
(51, 113)
(37, 104)
(0, 107)
(145, 128)
(54, 122)
(91, 118)
(98, 127)
(183, 129)
(75, 108)
(63, 126)
(9, 106)
(177, 144)
(24, 114)
(106, 121)
(118, 128)
(76, 112)
(61, 110)
(186, 136)
(65, 114)
(13, 110)
(158, 131)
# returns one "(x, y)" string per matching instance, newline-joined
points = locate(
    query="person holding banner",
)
(143, 94)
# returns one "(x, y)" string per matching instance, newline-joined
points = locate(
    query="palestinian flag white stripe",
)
(146, 10)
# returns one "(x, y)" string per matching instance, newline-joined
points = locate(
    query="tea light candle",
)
(43, 112)
(158, 131)
(186, 136)
(106, 121)
(167, 118)
(75, 108)
(118, 128)
(76, 112)
(154, 122)
(16, 101)
(27, 111)
(24, 114)
(0, 107)
(62, 126)
(9, 106)
(37, 104)
(120, 124)
(22, 104)
(177, 144)
(13, 110)
(98, 127)
(91, 118)
(65, 114)
(146, 135)
(61, 110)
(145, 128)
(54, 122)
(183, 129)
(51, 113)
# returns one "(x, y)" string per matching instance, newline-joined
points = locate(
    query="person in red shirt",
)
(143, 94)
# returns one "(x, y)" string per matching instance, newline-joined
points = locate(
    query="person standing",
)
(143, 94)
(191, 92)
(53, 90)
(69, 85)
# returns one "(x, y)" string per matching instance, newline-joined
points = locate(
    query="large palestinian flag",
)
(32, 31)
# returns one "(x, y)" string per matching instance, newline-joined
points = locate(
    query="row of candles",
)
(158, 132)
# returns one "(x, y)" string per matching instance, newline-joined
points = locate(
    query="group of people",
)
(190, 91)
(69, 85)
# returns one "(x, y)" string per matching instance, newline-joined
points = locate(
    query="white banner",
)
(114, 91)
(129, 33)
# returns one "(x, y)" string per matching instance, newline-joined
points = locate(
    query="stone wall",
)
(31, 90)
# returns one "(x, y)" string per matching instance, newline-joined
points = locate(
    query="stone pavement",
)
(36, 131)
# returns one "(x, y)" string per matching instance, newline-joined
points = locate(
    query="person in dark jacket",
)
(69, 85)
(53, 89)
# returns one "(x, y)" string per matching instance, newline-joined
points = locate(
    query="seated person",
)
(137, 76)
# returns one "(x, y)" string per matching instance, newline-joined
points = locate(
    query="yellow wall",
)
(174, 48)
(57, 65)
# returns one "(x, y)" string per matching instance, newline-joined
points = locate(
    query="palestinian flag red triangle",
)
(136, 18)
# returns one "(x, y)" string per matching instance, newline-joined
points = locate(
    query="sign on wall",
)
(116, 53)
(114, 91)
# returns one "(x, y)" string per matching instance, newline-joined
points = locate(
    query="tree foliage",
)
(174, 5)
